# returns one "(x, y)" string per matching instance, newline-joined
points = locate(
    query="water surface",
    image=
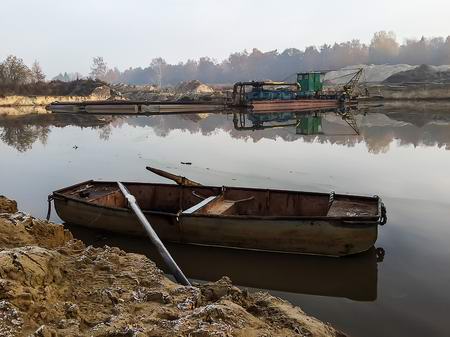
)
(401, 154)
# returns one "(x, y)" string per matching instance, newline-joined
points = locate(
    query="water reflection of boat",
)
(305, 122)
(354, 277)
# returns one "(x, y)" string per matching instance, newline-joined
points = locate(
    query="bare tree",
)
(99, 68)
(14, 71)
(37, 75)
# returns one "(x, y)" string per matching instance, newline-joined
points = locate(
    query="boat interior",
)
(207, 200)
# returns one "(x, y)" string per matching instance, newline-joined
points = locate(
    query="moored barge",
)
(306, 94)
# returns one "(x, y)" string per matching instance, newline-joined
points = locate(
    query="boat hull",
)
(293, 105)
(134, 107)
(330, 237)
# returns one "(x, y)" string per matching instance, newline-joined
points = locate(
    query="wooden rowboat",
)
(246, 218)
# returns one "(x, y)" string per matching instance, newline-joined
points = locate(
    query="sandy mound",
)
(146, 92)
(52, 285)
(193, 87)
(423, 73)
(385, 72)
(372, 73)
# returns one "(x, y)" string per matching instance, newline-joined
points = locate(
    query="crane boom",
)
(350, 86)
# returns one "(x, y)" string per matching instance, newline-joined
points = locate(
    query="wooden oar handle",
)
(178, 179)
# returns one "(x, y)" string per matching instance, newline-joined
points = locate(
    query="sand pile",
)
(372, 73)
(423, 73)
(147, 92)
(53, 285)
(193, 87)
(386, 72)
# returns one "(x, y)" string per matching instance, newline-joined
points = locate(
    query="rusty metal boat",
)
(247, 218)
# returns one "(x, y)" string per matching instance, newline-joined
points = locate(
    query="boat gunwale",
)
(346, 221)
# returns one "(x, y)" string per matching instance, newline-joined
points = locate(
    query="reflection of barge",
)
(307, 93)
(305, 122)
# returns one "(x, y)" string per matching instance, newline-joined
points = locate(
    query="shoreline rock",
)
(53, 285)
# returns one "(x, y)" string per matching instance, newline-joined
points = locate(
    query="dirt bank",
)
(99, 93)
(411, 91)
(53, 285)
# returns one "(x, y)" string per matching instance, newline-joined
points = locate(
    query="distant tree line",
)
(68, 77)
(254, 65)
(257, 65)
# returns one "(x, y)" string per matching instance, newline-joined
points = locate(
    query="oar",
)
(170, 262)
(178, 179)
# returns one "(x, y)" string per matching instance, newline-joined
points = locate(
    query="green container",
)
(309, 125)
(310, 82)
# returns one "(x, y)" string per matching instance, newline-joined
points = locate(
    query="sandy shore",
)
(53, 285)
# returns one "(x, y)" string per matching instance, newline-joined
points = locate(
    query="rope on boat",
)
(380, 252)
(331, 199)
(49, 208)
(383, 216)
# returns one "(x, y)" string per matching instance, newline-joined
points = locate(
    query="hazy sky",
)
(64, 35)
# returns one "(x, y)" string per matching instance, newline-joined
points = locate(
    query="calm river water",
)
(399, 153)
